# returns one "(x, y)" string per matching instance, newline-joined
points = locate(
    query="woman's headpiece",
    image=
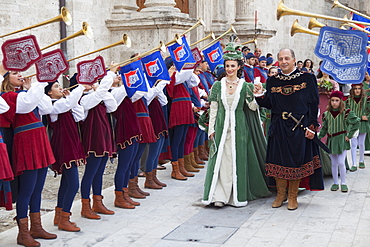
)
(232, 52)
(337, 94)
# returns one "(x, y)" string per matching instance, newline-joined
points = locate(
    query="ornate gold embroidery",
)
(288, 89)
(289, 77)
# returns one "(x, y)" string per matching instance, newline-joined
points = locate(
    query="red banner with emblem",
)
(51, 66)
(91, 70)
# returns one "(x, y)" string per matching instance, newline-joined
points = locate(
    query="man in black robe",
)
(292, 156)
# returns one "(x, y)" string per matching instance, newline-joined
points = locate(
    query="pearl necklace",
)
(232, 83)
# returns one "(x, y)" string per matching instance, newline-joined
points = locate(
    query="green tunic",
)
(248, 145)
(362, 108)
(346, 121)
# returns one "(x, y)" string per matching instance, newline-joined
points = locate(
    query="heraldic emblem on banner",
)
(344, 54)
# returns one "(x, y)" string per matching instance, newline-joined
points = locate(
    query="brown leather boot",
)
(86, 210)
(202, 153)
(99, 207)
(182, 168)
(132, 191)
(206, 146)
(57, 215)
(149, 182)
(128, 198)
(196, 156)
(281, 193)
(120, 201)
(138, 188)
(24, 237)
(187, 164)
(156, 180)
(175, 174)
(36, 229)
(193, 163)
(292, 194)
(64, 223)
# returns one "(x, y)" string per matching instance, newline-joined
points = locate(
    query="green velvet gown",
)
(236, 122)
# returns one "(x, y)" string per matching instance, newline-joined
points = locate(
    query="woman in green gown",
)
(238, 147)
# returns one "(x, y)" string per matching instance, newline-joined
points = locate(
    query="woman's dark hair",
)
(240, 71)
(319, 75)
(305, 61)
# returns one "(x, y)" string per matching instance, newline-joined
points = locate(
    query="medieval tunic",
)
(6, 173)
(65, 139)
(127, 128)
(290, 155)
(31, 147)
(261, 72)
(360, 108)
(145, 123)
(96, 132)
(234, 172)
(248, 73)
(337, 127)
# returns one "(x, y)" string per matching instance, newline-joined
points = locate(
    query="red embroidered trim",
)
(289, 173)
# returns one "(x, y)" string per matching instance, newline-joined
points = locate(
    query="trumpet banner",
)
(89, 71)
(20, 53)
(51, 66)
(134, 80)
(181, 55)
(155, 68)
(344, 54)
(363, 19)
(213, 55)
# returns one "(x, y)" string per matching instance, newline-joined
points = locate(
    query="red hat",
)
(337, 94)
(359, 84)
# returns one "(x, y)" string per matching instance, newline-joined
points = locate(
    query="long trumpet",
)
(124, 41)
(64, 16)
(200, 22)
(211, 35)
(86, 30)
(284, 10)
(315, 23)
(336, 3)
(231, 29)
(250, 41)
(161, 47)
(177, 40)
(297, 28)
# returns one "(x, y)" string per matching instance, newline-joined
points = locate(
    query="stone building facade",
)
(147, 22)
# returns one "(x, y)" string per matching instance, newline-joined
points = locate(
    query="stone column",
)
(124, 9)
(218, 16)
(244, 12)
(160, 6)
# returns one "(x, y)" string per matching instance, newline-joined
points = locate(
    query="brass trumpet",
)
(284, 10)
(314, 23)
(197, 24)
(336, 3)
(161, 47)
(250, 41)
(231, 29)
(296, 28)
(124, 41)
(177, 40)
(86, 30)
(211, 35)
(64, 16)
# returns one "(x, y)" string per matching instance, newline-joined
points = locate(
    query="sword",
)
(315, 139)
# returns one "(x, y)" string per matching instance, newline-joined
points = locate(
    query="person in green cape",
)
(238, 148)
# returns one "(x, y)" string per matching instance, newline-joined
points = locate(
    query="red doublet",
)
(127, 126)
(6, 172)
(258, 73)
(181, 109)
(157, 117)
(65, 142)
(96, 132)
(146, 126)
(31, 146)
